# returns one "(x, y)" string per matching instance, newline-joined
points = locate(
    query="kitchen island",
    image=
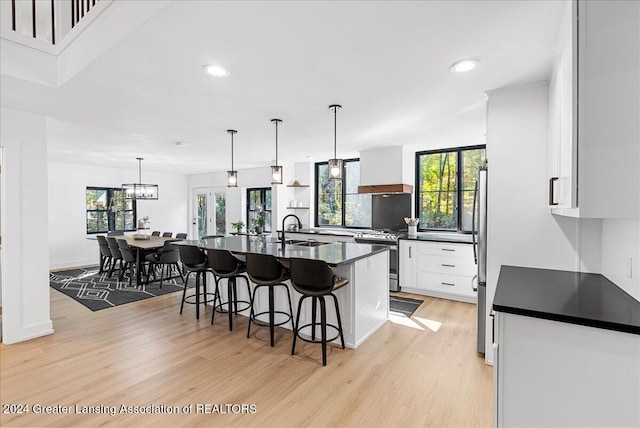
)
(364, 302)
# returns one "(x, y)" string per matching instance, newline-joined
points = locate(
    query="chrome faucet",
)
(284, 220)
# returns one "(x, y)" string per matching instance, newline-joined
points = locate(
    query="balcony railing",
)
(37, 18)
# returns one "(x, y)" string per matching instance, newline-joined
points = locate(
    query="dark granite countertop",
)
(455, 238)
(332, 232)
(573, 297)
(333, 254)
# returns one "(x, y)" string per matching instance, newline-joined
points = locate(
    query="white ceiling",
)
(386, 63)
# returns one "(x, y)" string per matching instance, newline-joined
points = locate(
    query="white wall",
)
(25, 249)
(68, 243)
(621, 254)
(521, 229)
(250, 178)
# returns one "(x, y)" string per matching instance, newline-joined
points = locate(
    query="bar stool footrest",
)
(335, 327)
(254, 319)
(191, 299)
(220, 307)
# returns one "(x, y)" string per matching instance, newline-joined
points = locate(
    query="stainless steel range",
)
(390, 239)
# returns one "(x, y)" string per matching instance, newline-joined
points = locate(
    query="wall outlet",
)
(630, 268)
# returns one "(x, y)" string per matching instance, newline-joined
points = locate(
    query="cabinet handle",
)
(493, 328)
(449, 249)
(446, 265)
(450, 284)
(409, 252)
(552, 198)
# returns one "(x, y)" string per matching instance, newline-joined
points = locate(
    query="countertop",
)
(456, 238)
(452, 237)
(572, 297)
(333, 254)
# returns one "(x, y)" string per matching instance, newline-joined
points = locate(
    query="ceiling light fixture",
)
(216, 70)
(335, 164)
(276, 170)
(464, 66)
(139, 190)
(232, 176)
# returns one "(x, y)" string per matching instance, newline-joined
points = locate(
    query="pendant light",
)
(276, 170)
(139, 190)
(232, 176)
(335, 164)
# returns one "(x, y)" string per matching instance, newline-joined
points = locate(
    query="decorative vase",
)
(413, 230)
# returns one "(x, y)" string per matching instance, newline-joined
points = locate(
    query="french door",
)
(209, 212)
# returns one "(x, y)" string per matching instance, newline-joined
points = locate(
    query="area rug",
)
(403, 306)
(96, 291)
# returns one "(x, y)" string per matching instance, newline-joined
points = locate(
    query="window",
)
(259, 201)
(338, 202)
(445, 186)
(108, 210)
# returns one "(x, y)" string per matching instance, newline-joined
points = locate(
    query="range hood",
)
(386, 170)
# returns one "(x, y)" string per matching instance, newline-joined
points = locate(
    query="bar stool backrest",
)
(223, 263)
(181, 236)
(312, 277)
(192, 257)
(264, 267)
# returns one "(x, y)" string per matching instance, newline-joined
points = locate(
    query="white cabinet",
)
(407, 255)
(550, 373)
(439, 269)
(594, 137)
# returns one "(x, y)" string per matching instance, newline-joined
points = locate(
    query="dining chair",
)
(105, 254)
(155, 233)
(116, 255)
(129, 258)
(181, 236)
(167, 258)
(167, 234)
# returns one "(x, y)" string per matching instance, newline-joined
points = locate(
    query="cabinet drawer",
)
(450, 284)
(445, 265)
(446, 249)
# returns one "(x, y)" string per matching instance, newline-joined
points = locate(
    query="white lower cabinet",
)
(551, 373)
(439, 269)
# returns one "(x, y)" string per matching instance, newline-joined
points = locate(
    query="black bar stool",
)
(266, 271)
(315, 279)
(225, 265)
(195, 261)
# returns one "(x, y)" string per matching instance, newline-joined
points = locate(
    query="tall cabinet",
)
(594, 93)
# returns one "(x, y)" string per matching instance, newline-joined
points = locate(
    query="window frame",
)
(459, 194)
(110, 215)
(343, 197)
(263, 198)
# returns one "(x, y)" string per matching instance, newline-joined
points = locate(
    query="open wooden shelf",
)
(297, 185)
(297, 208)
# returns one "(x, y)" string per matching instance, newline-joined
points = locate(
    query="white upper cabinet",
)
(594, 107)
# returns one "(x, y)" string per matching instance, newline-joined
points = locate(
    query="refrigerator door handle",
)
(473, 223)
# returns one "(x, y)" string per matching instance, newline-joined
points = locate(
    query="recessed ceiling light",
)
(216, 70)
(464, 66)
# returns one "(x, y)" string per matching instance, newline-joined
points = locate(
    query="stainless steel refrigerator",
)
(479, 224)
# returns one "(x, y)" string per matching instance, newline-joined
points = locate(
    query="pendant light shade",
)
(276, 170)
(335, 164)
(232, 176)
(139, 190)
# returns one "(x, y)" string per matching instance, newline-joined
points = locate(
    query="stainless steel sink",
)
(309, 243)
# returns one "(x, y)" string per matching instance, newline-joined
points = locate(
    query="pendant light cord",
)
(232, 151)
(276, 142)
(335, 132)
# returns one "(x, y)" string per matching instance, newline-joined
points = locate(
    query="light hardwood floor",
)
(425, 373)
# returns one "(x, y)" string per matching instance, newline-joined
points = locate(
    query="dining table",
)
(142, 246)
